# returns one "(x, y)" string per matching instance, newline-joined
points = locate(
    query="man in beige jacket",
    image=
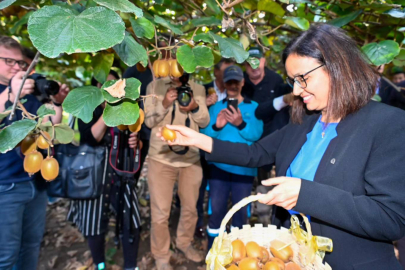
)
(167, 165)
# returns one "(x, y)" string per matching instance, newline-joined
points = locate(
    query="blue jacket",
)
(248, 132)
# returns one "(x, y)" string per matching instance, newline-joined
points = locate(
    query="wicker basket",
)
(222, 248)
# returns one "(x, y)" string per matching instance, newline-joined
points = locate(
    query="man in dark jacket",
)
(388, 92)
(266, 87)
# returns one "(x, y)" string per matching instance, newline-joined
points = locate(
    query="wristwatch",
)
(196, 109)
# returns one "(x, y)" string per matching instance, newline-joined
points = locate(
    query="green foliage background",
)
(86, 37)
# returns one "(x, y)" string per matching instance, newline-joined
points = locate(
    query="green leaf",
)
(231, 48)
(4, 115)
(70, 33)
(121, 5)
(6, 3)
(102, 64)
(63, 133)
(271, 6)
(169, 25)
(295, 1)
(45, 109)
(381, 53)
(142, 27)
(125, 112)
(205, 21)
(249, 4)
(212, 6)
(186, 58)
(11, 135)
(81, 102)
(341, 21)
(131, 52)
(398, 63)
(401, 55)
(191, 58)
(253, 62)
(132, 90)
(300, 23)
(203, 37)
(400, 59)
(396, 13)
(203, 56)
(20, 23)
(217, 56)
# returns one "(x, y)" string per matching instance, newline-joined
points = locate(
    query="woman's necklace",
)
(324, 126)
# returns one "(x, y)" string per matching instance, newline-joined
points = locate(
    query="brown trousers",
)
(161, 179)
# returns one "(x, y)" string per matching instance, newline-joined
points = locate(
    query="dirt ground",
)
(64, 248)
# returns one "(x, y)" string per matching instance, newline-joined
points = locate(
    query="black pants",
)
(97, 242)
(97, 248)
(200, 202)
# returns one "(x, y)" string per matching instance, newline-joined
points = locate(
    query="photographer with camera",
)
(23, 199)
(180, 102)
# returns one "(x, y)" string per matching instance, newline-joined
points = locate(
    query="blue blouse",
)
(306, 162)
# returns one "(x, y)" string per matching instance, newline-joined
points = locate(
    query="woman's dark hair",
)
(94, 82)
(353, 80)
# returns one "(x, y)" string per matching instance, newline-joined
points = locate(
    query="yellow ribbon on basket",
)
(310, 245)
(220, 254)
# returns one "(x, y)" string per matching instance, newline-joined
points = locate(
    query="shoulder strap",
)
(185, 150)
(130, 163)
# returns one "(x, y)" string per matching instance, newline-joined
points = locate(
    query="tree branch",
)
(17, 97)
(234, 3)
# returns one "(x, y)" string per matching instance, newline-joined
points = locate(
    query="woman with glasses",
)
(340, 161)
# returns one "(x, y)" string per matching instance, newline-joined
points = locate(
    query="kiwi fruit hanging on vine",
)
(137, 126)
(42, 143)
(28, 144)
(49, 168)
(33, 162)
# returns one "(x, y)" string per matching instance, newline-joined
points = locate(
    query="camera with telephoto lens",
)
(184, 92)
(44, 88)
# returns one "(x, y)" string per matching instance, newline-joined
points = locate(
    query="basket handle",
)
(235, 209)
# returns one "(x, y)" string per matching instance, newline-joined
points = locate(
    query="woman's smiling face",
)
(316, 93)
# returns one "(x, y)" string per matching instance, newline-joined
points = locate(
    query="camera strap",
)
(185, 150)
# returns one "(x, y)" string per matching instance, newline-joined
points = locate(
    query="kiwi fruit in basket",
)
(249, 264)
(281, 251)
(238, 250)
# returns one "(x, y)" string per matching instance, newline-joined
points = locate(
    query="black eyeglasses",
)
(11, 62)
(299, 79)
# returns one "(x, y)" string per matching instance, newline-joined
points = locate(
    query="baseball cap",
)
(255, 52)
(233, 73)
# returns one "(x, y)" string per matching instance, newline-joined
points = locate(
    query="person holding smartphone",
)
(234, 120)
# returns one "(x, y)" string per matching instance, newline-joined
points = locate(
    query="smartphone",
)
(232, 102)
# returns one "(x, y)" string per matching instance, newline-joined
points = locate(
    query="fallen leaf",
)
(72, 253)
(52, 261)
(115, 267)
(117, 90)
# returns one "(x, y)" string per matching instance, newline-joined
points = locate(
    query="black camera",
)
(44, 88)
(184, 92)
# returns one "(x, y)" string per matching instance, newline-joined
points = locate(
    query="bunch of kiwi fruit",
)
(34, 161)
(164, 68)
